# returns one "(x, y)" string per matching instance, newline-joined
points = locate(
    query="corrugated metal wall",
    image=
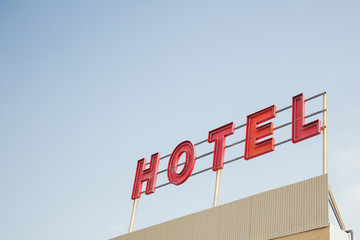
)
(280, 212)
(317, 234)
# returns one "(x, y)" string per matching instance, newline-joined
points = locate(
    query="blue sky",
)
(87, 88)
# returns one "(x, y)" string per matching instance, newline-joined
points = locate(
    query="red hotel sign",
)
(254, 147)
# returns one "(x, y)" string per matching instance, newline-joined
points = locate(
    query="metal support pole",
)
(217, 188)
(133, 214)
(325, 151)
(336, 209)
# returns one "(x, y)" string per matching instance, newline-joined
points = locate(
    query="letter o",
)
(189, 149)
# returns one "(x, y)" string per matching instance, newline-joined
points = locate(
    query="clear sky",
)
(87, 88)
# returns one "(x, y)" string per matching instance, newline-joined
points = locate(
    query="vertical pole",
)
(133, 214)
(217, 188)
(325, 151)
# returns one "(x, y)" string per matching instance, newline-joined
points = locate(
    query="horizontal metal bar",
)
(201, 171)
(243, 140)
(242, 125)
(234, 159)
(160, 186)
(161, 158)
(307, 116)
(283, 109)
(180, 164)
(201, 142)
(206, 154)
(281, 126)
(165, 170)
(235, 143)
(278, 111)
(315, 96)
(315, 113)
(166, 156)
(307, 99)
(282, 142)
(227, 162)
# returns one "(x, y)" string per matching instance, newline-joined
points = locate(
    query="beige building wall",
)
(327, 233)
(317, 234)
(285, 211)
